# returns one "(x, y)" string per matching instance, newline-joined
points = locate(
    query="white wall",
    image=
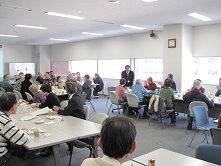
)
(17, 53)
(44, 59)
(206, 40)
(128, 46)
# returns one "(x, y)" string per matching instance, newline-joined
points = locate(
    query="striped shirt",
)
(9, 132)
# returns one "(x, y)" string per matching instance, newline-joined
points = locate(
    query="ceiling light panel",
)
(133, 27)
(2, 35)
(64, 15)
(198, 16)
(29, 26)
(149, 1)
(113, 1)
(58, 39)
(94, 34)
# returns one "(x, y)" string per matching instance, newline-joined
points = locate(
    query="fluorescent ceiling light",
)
(95, 34)
(64, 15)
(149, 1)
(133, 27)
(198, 16)
(28, 26)
(113, 1)
(1, 35)
(59, 39)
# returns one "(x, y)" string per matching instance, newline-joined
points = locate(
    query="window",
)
(152, 67)
(84, 67)
(207, 69)
(112, 68)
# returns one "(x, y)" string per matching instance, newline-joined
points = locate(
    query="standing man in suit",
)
(128, 74)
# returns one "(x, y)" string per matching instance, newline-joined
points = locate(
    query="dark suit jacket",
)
(74, 108)
(51, 100)
(130, 78)
(195, 95)
(40, 79)
(25, 88)
(87, 88)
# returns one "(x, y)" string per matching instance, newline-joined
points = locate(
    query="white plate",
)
(39, 121)
(46, 134)
(31, 131)
(25, 118)
(51, 117)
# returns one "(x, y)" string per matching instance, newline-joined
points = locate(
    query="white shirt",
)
(111, 161)
(71, 96)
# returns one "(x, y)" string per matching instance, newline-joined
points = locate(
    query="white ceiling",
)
(151, 16)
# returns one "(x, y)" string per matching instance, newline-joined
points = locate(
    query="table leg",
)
(56, 155)
(95, 149)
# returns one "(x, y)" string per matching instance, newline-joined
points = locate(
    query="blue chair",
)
(109, 89)
(216, 136)
(202, 121)
(209, 153)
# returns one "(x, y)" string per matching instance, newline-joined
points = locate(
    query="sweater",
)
(51, 100)
(9, 132)
(168, 95)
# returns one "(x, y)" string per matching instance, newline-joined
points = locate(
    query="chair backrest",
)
(29, 96)
(196, 103)
(114, 97)
(105, 84)
(216, 136)
(18, 94)
(64, 103)
(2, 90)
(209, 153)
(132, 100)
(201, 115)
(83, 97)
(99, 118)
(86, 111)
(111, 88)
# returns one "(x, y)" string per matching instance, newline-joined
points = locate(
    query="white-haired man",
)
(196, 95)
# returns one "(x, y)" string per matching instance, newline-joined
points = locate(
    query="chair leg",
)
(92, 106)
(206, 137)
(165, 120)
(118, 108)
(109, 109)
(71, 151)
(107, 100)
(126, 111)
(192, 138)
(103, 94)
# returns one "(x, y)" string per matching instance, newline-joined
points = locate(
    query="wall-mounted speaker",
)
(152, 34)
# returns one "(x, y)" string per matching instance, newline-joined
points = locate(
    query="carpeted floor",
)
(149, 138)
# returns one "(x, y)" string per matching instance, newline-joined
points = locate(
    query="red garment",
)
(151, 86)
(121, 92)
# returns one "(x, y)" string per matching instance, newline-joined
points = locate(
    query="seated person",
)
(75, 104)
(202, 90)
(120, 90)
(53, 77)
(47, 79)
(51, 98)
(98, 80)
(87, 86)
(10, 135)
(117, 141)
(139, 90)
(170, 77)
(219, 121)
(25, 86)
(38, 95)
(17, 85)
(5, 84)
(40, 78)
(72, 78)
(60, 84)
(218, 88)
(167, 94)
(149, 84)
(79, 77)
(196, 95)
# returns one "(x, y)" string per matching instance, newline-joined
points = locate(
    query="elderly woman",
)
(38, 96)
(60, 83)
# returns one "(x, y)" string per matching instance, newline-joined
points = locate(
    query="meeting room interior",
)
(73, 65)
